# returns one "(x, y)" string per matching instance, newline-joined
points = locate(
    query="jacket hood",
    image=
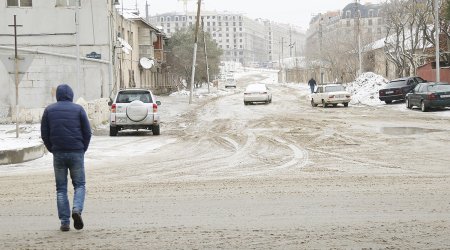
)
(64, 93)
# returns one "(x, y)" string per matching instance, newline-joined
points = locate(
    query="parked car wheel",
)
(113, 131)
(345, 104)
(408, 104)
(423, 107)
(156, 130)
(388, 102)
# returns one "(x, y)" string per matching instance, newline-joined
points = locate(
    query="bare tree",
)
(407, 22)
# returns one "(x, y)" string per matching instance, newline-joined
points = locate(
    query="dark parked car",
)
(397, 89)
(429, 95)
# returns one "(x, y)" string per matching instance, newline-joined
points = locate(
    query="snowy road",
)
(224, 175)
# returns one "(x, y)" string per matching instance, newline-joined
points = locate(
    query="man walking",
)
(66, 133)
(312, 84)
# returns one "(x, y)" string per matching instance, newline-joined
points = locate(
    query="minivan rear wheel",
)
(113, 131)
(156, 130)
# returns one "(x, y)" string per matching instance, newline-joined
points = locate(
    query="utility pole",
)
(320, 51)
(16, 73)
(77, 26)
(206, 54)
(194, 57)
(282, 59)
(290, 41)
(358, 24)
(437, 28)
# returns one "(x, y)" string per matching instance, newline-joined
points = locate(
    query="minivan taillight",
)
(113, 108)
(155, 108)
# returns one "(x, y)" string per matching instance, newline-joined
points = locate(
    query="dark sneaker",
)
(77, 220)
(65, 227)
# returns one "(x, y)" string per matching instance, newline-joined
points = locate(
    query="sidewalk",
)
(27, 147)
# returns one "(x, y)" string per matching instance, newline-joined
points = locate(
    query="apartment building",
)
(242, 39)
(353, 19)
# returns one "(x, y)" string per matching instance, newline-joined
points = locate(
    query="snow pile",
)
(180, 93)
(365, 89)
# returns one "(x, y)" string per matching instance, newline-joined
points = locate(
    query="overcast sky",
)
(296, 12)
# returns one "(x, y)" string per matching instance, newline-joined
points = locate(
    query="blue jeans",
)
(312, 87)
(63, 163)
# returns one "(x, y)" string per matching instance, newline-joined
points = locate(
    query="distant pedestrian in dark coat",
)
(66, 133)
(312, 84)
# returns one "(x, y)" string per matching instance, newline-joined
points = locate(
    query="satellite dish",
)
(146, 63)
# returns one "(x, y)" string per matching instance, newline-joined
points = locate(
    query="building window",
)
(66, 3)
(168, 19)
(348, 14)
(176, 19)
(370, 22)
(19, 3)
(370, 13)
(184, 19)
(348, 23)
(162, 19)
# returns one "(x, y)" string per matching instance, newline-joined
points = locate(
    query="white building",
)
(244, 40)
(47, 40)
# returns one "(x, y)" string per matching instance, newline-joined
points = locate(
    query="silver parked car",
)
(134, 109)
(257, 92)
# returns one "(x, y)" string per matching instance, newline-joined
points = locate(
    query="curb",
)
(14, 156)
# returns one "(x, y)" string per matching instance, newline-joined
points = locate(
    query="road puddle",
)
(407, 130)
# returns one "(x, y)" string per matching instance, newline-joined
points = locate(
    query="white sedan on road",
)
(330, 94)
(257, 92)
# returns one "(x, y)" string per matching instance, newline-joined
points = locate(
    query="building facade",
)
(242, 39)
(345, 32)
(49, 54)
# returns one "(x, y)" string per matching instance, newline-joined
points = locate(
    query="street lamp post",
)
(206, 54)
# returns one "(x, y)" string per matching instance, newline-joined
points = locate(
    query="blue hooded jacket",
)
(65, 125)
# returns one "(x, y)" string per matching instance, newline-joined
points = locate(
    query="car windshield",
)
(396, 84)
(334, 88)
(129, 96)
(256, 87)
(439, 88)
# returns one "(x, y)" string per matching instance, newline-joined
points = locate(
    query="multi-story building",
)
(57, 43)
(345, 31)
(244, 40)
(94, 48)
(353, 19)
